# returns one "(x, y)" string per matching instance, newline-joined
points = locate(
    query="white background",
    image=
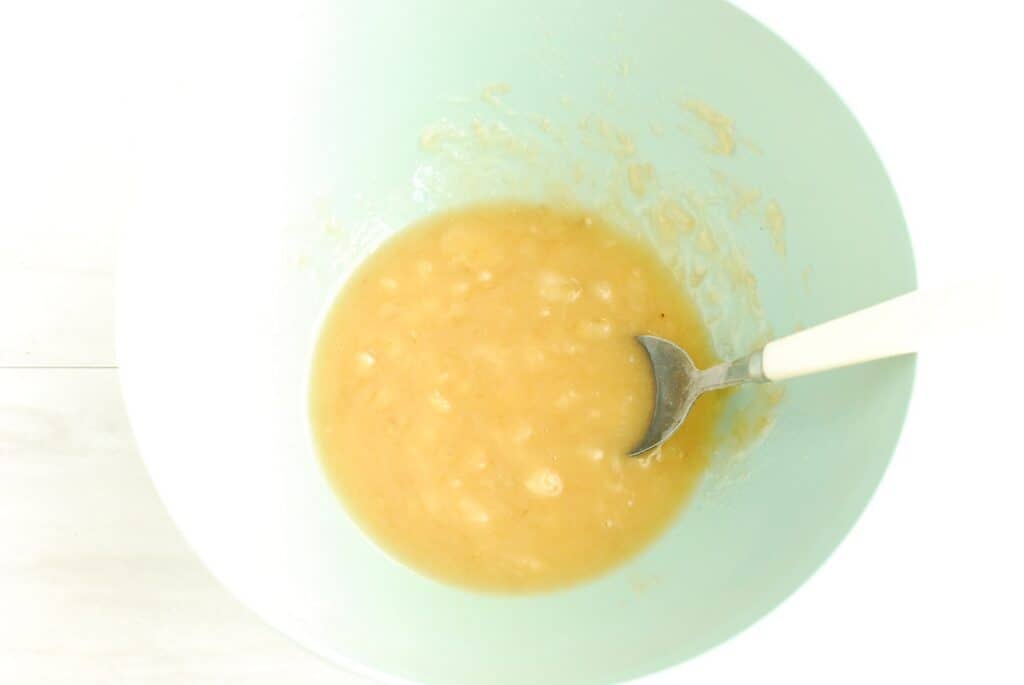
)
(97, 587)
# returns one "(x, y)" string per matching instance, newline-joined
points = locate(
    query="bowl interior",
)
(254, 215)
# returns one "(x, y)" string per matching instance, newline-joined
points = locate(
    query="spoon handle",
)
(895, 327)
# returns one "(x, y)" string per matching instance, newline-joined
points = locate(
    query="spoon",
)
(892, 328)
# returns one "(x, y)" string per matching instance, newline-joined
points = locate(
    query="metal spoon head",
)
(675, 390)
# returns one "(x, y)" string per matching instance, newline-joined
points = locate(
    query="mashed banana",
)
(476, 387)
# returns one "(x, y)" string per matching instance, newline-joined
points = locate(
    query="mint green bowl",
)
(383, 83)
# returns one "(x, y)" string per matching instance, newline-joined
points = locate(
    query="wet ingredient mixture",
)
(477, 384)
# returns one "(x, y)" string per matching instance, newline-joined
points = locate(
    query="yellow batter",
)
(477, 385)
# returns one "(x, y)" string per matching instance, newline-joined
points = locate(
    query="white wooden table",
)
(96, 585)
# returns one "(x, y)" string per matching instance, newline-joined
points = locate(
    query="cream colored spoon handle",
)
(898, 326)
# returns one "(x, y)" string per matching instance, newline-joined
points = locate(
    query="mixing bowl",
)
(273, 168)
